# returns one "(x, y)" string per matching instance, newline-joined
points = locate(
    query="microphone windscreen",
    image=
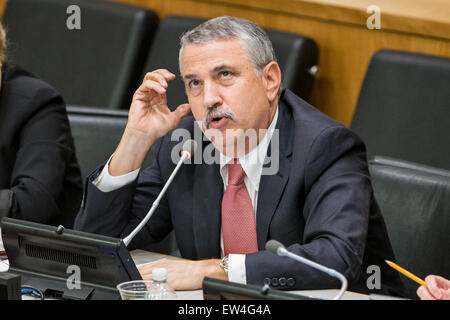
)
(190, 146)
(273, 245)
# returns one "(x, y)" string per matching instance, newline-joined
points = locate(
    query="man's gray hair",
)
(253, 38)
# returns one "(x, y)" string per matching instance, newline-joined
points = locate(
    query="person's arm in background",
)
(44, 150)
(438, 288)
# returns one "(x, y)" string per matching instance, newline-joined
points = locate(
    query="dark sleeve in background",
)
(44, 177)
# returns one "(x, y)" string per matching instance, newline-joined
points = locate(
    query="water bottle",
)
(160, 289)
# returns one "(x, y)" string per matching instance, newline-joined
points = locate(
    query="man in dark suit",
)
(40, 179)
(314, 194)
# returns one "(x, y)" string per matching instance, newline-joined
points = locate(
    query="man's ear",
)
(272, 79)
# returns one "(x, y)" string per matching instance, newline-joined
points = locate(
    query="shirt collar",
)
(252, 162)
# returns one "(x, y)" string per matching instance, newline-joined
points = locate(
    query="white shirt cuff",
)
(106, 182)
(236, 268)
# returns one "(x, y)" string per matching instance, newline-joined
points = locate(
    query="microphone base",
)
(216, 289)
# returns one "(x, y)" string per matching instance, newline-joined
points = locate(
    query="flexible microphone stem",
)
(281, 251)
(155, 204)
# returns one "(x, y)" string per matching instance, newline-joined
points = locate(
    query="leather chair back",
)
(403, 109)
(97, 65)
(298, 57)
(415, 202)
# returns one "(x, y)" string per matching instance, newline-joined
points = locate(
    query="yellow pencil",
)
(406, 273)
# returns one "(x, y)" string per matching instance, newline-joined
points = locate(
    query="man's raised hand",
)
(149, 112)
(149, 118)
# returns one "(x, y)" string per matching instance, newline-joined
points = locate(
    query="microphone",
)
(188, 149)
(279, 249)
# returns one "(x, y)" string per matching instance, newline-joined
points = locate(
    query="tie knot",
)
(236, 173)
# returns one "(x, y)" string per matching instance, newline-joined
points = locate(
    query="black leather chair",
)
(403, 109)
(96, 134)
(415, 202)
(97, 65)
(297, 56)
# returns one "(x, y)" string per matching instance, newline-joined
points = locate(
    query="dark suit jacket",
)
(320, 204)
(39, 175)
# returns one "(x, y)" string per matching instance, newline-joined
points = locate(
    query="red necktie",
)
(238, 217)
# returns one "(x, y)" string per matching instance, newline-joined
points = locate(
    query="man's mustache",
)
(215, 112)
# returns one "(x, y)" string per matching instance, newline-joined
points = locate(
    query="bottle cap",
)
(159, 274)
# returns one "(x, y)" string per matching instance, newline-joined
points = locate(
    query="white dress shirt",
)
(252, 163)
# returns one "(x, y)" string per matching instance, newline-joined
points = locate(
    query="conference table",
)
(142, 257)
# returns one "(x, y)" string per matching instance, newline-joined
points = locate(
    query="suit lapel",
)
(272, 186)
(208, 192)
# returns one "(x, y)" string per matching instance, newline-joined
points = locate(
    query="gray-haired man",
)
(319, 203)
